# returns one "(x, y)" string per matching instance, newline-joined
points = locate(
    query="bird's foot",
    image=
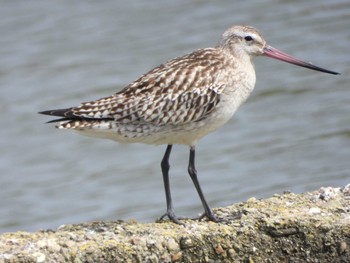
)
(171, 215)
(175, 219)
(210, 216)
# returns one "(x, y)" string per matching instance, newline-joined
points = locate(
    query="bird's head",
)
(243, 41)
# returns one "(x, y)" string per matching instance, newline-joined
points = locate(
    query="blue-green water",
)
(292, 134)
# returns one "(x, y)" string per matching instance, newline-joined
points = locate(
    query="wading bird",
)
(179, 101)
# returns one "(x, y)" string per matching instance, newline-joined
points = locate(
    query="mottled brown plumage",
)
(179, 101)
(182, 91)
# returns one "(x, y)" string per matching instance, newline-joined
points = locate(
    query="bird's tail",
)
(66, 114)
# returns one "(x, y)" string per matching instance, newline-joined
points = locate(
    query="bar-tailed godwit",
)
(179, 101)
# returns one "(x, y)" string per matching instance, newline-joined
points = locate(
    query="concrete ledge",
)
(310, 227)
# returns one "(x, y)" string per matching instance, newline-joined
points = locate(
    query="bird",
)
(179, 102)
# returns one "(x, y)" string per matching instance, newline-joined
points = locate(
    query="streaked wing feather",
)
(172, 93)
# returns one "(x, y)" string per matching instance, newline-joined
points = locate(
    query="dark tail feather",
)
(65, 113)
(58, 120)
(59, 112)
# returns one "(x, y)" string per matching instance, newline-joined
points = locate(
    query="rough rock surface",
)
(310, 227)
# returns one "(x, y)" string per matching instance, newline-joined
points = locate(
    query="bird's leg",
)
(193, 174)
(169, 203)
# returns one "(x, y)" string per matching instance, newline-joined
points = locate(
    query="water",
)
(292, 134)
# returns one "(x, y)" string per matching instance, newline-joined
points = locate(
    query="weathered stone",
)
(310, 227)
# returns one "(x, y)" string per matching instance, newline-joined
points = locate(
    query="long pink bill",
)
(275, 53)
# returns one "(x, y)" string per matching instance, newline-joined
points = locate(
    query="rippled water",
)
(292, 134)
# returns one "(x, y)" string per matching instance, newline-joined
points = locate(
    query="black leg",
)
(169, 203)
(193, 174)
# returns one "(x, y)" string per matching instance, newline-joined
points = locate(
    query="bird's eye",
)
(248, 38)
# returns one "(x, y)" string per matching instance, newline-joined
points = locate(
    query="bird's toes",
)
(172, 217)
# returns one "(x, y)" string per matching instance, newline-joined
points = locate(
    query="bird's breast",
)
(240, 82)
